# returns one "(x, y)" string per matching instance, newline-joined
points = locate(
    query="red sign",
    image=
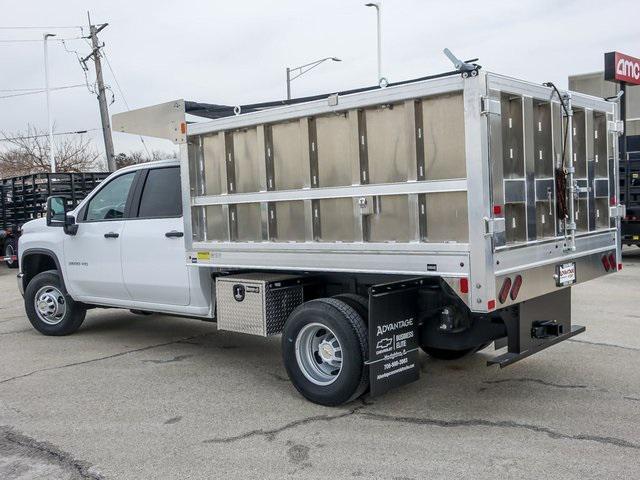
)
(619, 67)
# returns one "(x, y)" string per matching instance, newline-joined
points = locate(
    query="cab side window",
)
(110, 202)
(161, 196)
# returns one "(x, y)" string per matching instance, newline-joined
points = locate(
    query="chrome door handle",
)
(111, 235)
(174, 234)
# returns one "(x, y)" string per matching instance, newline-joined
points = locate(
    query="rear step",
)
(536, 324)
(510, 357)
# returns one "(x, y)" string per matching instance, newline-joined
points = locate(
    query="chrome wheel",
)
(319, 354)
(50, 305)
(9, 252)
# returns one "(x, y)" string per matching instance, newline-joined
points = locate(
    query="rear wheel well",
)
(35, 263)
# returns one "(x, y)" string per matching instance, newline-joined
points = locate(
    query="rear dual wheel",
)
(324, 349)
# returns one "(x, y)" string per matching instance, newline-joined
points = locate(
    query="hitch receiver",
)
(546, 329)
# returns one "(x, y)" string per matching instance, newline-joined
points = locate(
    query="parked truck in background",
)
(24, 198)
(440, 214)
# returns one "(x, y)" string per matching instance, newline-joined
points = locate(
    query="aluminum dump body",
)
(451, 177)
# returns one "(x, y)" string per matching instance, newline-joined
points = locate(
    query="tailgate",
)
(554, 177)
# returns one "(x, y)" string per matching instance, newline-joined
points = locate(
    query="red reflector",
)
(464, 285)
(517, 283)
(504, 291)
(497, 209)
(619, 266)
(491, 304)
(612, 261)
(605, 263)
(614, 201)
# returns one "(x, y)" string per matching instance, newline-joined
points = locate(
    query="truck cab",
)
(123, 246)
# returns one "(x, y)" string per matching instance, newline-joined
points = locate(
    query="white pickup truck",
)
(440, 214)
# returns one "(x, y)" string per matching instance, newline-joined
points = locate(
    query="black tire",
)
(10, 249)
(351, 332)
(70, 319)
(357, 302)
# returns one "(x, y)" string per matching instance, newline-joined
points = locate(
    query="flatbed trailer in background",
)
(24, 198)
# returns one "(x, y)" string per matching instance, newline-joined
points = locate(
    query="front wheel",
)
(50, 311)
(324, 349)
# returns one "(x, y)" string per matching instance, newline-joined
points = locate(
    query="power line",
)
(82, 65)
(19, 89)
(126, 104)
(33, 40)
(77, 132)
(41, 90)
(21, 27)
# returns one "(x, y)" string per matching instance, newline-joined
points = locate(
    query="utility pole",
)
(102, 99)
(52, 160)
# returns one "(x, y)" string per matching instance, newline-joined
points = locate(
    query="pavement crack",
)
(603, 344)
(270, 434)
(478, 422)
(634, 399)
(535, 380)
(36, 450)
(177, 358)
(93, 360)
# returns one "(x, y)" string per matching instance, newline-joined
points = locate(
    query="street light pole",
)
(378, 7)
(52, 160)
(302, 69)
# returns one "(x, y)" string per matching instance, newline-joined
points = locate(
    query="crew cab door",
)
(153, 250)
(92, 255)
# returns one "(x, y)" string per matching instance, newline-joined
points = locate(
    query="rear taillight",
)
(517, 283)
(612, 261)
(504, 291)
(605, 263)
(464, 285)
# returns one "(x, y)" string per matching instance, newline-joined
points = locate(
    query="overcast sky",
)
(235, 52)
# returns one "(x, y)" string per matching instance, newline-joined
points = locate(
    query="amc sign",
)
(619, 67)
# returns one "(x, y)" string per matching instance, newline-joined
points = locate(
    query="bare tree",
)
(136, 157)
(28, 152)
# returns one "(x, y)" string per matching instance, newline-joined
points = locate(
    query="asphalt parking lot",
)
(131, 397)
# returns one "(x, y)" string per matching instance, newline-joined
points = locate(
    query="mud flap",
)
(393, 335)
(535, 325)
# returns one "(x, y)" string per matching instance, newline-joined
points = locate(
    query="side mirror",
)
(56, 211)
(57, 215)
